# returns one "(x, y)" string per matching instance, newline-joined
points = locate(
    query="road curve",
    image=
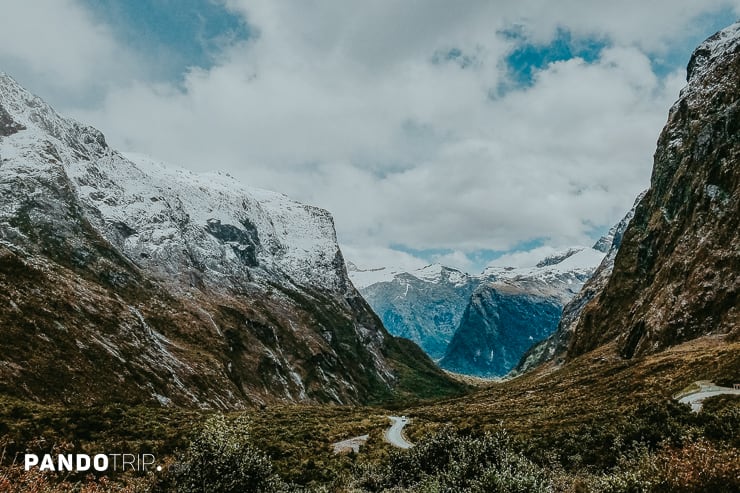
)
(696, 399)
(393, 434)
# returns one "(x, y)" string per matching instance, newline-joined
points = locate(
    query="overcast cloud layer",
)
(401, 118)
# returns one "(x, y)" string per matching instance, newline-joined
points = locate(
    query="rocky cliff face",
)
(675, 276)
(425, 305)
(124, 279)
(512, 309)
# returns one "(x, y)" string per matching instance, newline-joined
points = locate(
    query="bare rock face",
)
(123, 279)
(499, 324)
(676, 275)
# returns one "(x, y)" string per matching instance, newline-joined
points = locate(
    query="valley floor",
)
(594, 422)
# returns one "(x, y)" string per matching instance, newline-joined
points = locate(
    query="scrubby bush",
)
(722, 424)
(598, 446)
(222, 459)
(700, 466)
(450, 462)
(696, 467)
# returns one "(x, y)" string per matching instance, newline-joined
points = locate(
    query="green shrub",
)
(221, 459)
(449, 462)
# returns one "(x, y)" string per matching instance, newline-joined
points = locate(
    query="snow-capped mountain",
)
(457, 317)
(162, 284)
(513, 308)
(424, 305)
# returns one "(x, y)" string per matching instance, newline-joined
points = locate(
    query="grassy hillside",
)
(593, 423)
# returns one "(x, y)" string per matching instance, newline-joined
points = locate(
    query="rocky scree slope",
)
(122, 279)
(675, 277)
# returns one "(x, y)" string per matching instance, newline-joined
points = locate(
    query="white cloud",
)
(528, 258)
(371, 257)
(652, 25)
(60, 50)
(339, 105)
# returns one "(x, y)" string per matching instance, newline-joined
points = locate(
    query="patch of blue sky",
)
(173, 35)
(457, 56)
(526, 58)
(485, 257)
(424, 254)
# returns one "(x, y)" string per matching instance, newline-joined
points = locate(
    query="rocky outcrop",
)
(675, 276)
(123, 279)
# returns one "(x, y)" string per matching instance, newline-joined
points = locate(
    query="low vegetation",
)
(599, 425)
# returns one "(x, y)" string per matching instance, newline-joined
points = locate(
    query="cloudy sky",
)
(460, 132)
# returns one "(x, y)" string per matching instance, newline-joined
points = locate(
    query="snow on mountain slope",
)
(439, 273)
(433, 273)
(573, 269)
(424, 305)
(167, 208)
(154, 209)
(429, 305)
(513, 308)
(362, 278)
(241, 293)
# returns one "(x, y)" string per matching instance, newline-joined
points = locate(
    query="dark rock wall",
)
(677, 274)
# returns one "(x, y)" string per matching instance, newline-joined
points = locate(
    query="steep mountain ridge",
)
(477, 324)
(675, 277)
(124, 279)
(513, 308)
(423, 305)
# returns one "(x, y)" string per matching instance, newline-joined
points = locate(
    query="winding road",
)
(394, 436)
(706, 389)
(695, 399)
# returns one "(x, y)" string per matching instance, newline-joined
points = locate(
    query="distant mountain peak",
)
(556, 258)
(435, 303)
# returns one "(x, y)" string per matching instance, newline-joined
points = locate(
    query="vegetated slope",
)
(512, 309)
(122, 279)
(593, 389)
(675, 276)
